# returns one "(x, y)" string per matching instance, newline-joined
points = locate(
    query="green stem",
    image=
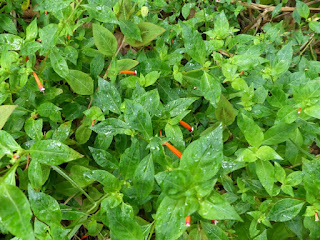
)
(151, 231)
(302, 150)
(70, 180)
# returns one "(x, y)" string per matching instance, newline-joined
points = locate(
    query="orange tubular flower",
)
(38, 82)
(214, 222)
(92, 124)
(129, 72)
(188, 220)
(173, 149)
(84, 236)
(186, 125)
(45, 12)
(316, 218)
(299, 110)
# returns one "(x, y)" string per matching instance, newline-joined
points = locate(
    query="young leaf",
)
(6, 111)
(38, 174)
(130, 159)
(149, 32)
(210, 88)
(58, 63)
(265, 172)
(250, 129)
(15, 212)
(83, 134)
(80, 82)
(109, 181)
(7, 144)
(170, 218)
(203, 157)
(143, 178)
(138, 118)
(52, 152)
(51, 111)
(303, 9)
(177, 106)
(216, 207)
(221, 26)
(44, 207)
(104, 40)
(285, 210)
(313, 111)
(267, 153)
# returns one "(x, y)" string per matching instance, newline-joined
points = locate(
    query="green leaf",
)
(225, 111)
(52, 152)
(6, 24)
(44, 207)
(83, 134)
(101, 12)
(15, 212)
(285, 210)
(203, 157)
(49, 36)
(143, 178)
(38, 174)
(138, 118)
(210, 87)
(149, 32)
(313, 111)
(109, 181)
(112, 126)
(32, 30)
(174, 133)
(151, 78)
(221, 26)
(303, 9)
(104, 40)
(276, 10)
(7, 144)
(62, 133)
(251, 130)
(174, 183)
(214, 232)
(314, 26)
(170, 219)
(215, 207)
(33, 128)
(122, 225)
(279, 172)
(10, 41)
(267, 153)
(178, 106)
(278, 133)
(107, 97)
(265, 172)
(103, 158)
(294, 178)
(311, 180)
(130, 159)
(51, 111)
(131, 30)
(194, 44)
(58, 63)
(6, 111)
(126, 64)
(80, 82)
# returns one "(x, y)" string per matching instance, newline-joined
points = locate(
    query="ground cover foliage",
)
(126, 119)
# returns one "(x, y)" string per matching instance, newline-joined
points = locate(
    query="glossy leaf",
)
(225, 111)
(15, 211)
(265, 172)
(130, 159)
(58, 63)
(131, 30)
(52, 152)
(203, 157)
(285, 210)
(39, 204)
(211, 89)
(143, 178)
(112, 126)
(138, 118)
(267, 153)
(278, 133)
(33, 128)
